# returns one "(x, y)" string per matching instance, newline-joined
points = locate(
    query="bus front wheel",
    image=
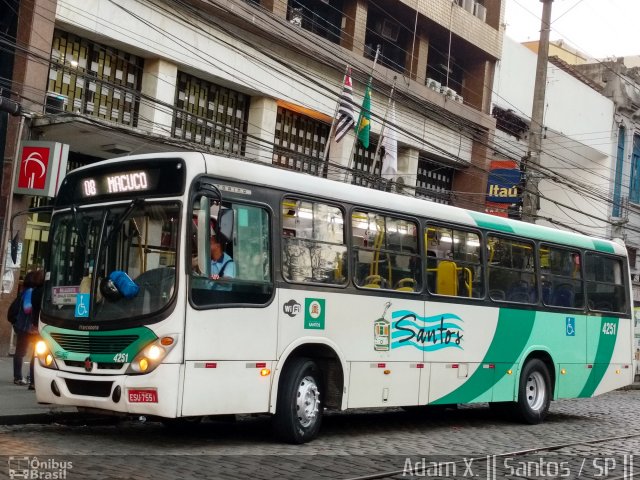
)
(534, 393)
(299, 406)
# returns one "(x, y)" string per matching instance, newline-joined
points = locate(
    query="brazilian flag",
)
(364, 121)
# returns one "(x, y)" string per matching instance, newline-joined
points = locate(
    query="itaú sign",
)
(502, 185)
(41, 168)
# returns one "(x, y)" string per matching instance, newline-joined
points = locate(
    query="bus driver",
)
(222, 265)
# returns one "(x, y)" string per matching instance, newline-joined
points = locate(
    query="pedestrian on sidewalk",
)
(26, 327)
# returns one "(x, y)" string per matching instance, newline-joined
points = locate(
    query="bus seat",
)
(519, 293)
(447, 278)
(563, 296)
(497, 294)
(546, 292)
(373, 281)
(406, 285)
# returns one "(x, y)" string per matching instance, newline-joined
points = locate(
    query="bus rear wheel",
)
(534, 392)
(299, 406)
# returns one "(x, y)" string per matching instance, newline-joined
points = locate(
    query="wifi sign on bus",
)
(41, 168)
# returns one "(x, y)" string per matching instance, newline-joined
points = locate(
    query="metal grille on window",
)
(95, 80)
(363, 160)
(210, 115)
(299, 142)
(434, 181)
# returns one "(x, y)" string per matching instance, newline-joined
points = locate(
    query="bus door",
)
(231, 322)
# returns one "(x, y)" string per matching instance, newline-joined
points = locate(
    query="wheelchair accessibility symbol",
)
(571, 327)
(82, 305)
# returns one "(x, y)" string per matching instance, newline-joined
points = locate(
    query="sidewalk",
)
(18, 404)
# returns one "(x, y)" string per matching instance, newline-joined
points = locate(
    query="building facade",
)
(260, 81)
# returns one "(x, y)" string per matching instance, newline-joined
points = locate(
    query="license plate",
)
(143, 396)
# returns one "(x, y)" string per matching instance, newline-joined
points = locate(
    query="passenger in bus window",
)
(222, 265)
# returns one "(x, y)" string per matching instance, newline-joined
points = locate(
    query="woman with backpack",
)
(26, 325)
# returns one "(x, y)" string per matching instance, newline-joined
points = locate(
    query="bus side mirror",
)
(225, 224)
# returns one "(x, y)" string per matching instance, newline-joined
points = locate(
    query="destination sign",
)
(158, 177)
(139, 181)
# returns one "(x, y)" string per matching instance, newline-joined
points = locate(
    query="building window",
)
(617, 186)
(95, 80)
(434, 181)
(390, 35)
(366, 171)
(299, 142)
(443, 69)
(322, 17)
(634, 187)
(210, 115)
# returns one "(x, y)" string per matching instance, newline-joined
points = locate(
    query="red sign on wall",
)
(34, 162)
(41, 168)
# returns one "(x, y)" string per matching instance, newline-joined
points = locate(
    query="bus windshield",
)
(112, 263)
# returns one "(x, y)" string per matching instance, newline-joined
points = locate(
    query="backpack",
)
(23, 322)
(14, 310)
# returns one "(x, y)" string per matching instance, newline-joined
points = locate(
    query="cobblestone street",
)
(350, 444)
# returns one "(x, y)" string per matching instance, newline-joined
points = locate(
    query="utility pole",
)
(13, 109)
(531, 163)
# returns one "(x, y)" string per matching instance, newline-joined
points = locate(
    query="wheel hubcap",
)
(535, 391)
(307, 401)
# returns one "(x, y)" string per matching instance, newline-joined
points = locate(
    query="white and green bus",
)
(341, 297)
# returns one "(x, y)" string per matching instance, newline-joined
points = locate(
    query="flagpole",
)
(325, 156)
(384, 124)
(353, 147)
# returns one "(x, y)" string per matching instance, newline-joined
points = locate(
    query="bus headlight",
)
(152, 355)
(45, 357)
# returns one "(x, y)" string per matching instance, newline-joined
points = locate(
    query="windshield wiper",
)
(74, 214)
(115, 226)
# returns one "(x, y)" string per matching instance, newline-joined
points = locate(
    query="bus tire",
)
(534, 392)
(299, 406)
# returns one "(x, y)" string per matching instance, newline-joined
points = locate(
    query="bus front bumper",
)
(154, 393)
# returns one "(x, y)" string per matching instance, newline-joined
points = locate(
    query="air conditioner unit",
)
(433, 84)
(448, 92)
(468, 5)
(389, 30)
(296, 17)
(54, 103)
(480, 11)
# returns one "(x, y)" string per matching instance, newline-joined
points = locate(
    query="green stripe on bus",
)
(491, 222)
(512, 334)
(535, 232)
(606, 344)
(601, 246)
(78, 345)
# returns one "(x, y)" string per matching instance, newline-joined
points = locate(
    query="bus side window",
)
(453, 262)
(313, 242)
(385, 252)
(512, 275)
(243, 274)
(605, 284)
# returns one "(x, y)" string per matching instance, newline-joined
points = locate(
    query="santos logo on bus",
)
(426, 333)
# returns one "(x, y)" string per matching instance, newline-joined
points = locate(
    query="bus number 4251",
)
(609, 328)
(121, 357)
